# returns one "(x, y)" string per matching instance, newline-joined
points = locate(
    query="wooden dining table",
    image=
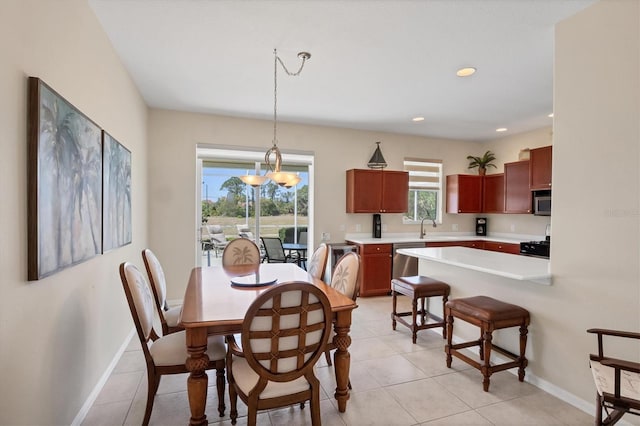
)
(214, 305)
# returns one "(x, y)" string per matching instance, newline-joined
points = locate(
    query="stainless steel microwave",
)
(542, 203)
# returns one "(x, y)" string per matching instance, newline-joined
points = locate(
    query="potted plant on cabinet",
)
(482, 162)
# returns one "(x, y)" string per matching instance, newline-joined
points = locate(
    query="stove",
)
(536, 248)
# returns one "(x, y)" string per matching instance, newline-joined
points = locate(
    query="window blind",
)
(424, 174)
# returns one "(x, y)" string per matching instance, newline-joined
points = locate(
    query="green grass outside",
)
(269, 225)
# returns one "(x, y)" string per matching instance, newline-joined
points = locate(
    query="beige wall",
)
(58, 335)
(173, 137)
(596, 186)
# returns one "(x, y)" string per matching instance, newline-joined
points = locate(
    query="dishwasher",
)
(404, 266)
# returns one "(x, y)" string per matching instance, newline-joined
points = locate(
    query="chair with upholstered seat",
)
(284, 332)
(617, 381)
(318, 261)
(169, 317)
(167, 354)
(213, 237)
(345, 279)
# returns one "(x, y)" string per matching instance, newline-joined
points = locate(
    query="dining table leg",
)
(342, 358)
(198, 380)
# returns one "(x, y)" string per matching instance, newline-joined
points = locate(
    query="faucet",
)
(422, 231)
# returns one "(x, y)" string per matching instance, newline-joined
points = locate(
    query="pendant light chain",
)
(304, 56)
(276, 174)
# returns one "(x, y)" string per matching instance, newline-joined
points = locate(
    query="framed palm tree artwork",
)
(116, 195)
(64, 183)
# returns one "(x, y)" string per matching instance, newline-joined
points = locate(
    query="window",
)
(425, 190)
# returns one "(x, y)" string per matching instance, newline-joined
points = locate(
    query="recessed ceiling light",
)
(465, 72)
(501, 129)
(550, 115)
(417, 119)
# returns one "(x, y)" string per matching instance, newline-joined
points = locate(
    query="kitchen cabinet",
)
(540, 168)
(375, 269)
(464, 194)
(502, 247)
(377, 191)
(493, 193)
(517, 195)
(471, 244)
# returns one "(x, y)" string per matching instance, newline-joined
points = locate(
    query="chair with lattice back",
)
(617, 381)
(284, 332)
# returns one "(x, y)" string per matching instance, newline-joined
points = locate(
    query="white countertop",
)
(440, 237)
(522, 268)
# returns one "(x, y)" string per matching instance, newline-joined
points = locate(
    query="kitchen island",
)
(520, 280)
(521, 268)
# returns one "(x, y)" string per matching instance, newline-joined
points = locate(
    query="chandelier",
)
(275, 173)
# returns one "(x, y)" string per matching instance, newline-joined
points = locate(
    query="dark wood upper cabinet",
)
(377, 191)
(516, 187)
(464, 194)
(540, 168)
(493, 189)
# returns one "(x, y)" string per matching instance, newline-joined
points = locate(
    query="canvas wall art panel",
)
(64, 183)
(116, 201)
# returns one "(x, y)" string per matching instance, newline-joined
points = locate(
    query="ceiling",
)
(375, 64)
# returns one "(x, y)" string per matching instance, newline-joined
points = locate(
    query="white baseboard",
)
(550, 388)
(103, 380)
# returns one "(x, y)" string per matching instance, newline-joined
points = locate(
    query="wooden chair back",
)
(318, 262)
(141, 303)
(617, 381)
(346, 276)
(239, 252)
(285, 331)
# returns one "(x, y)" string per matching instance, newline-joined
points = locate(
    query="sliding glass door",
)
(227, 203)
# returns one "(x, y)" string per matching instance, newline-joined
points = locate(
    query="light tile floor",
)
(394, 383)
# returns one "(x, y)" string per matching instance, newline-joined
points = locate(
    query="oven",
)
(536, 248)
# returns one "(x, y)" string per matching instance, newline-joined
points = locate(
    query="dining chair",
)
(169, 317)
(166, 354)
(346, 280)
(284, 332)
(241, 251)
(275, 252)
(318, 261)
(617, 381)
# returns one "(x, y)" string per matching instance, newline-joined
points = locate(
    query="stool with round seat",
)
(418, 288)
(489, 314)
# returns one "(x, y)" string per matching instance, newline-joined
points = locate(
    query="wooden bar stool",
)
(418, 288)
(488, 314)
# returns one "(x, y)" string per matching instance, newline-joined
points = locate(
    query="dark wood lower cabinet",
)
(502, 247)
(375, 269)
(375, 262)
